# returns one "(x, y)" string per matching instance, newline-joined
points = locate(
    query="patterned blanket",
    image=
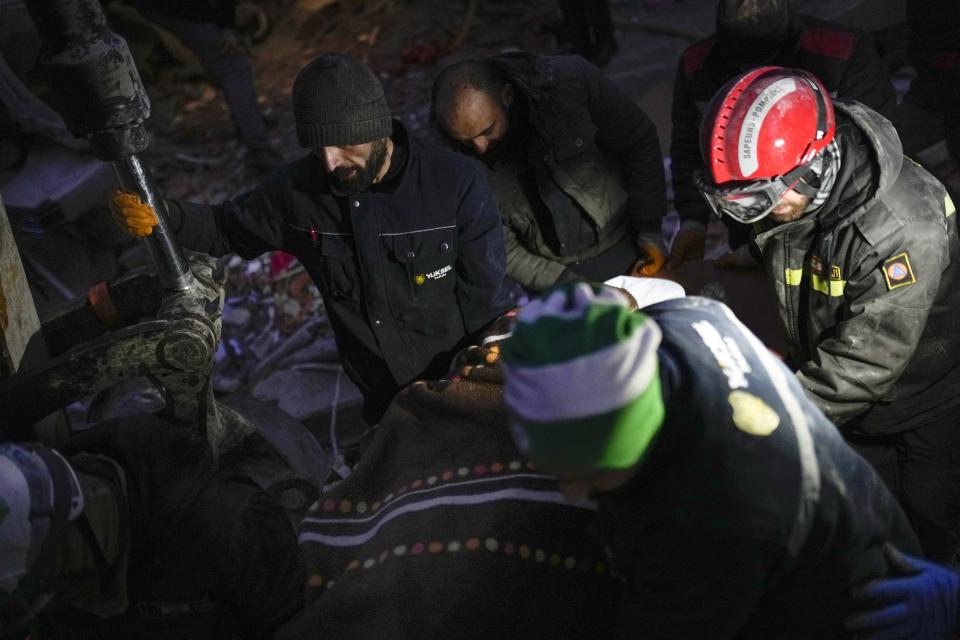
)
(445, 531)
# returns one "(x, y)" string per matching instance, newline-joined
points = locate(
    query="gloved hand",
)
(921, 603)
(688, 245)
(652, 245)
(132, 214)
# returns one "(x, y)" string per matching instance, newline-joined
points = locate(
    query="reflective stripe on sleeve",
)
(834, 288)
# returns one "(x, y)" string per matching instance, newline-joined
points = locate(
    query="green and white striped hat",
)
(582, 382)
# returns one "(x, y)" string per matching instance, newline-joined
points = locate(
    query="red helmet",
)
(758, 137)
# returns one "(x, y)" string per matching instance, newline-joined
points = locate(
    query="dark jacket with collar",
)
(749, 516)
(867, 286)
(597, 146)
(844, 59)
(407, 270)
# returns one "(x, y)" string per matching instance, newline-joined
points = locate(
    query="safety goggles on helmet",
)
(759, 133)
(749, 202)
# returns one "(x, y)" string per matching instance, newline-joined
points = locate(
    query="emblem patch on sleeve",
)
(898, 272)
(752, 415)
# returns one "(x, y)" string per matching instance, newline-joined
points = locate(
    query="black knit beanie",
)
(337, 100)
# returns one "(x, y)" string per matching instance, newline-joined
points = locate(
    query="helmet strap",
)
(808, 185)
(805, 179)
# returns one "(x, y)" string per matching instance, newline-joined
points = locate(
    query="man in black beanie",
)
(403, 240)
(754, 33)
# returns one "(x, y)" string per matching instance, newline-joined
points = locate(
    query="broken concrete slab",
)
(305, 393)
(55, 184)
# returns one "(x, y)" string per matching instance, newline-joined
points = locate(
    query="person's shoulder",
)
(444, 161)
(565, 68)
(295, 189)
(303, 170)
(808, 22)
(916, 201)
(300, 174)
(829, 39)
(703, 329)
(695, 56)
(912, 213)
(688, 306)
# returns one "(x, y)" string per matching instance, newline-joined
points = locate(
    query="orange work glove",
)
(132, 214)
(688, 245)
(652, 263)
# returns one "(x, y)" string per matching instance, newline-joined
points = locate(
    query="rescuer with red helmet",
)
(752, 33)
(861, 250)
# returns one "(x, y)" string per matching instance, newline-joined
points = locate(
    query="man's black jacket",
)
(407, 270)
(844, 59)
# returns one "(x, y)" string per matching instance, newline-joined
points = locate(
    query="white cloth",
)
(648, 291)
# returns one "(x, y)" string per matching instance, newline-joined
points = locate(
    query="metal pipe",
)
(162, 245)
(103, 100)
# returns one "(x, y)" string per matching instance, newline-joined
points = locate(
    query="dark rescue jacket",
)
(867, 289)
(844, 59)
(407, 271)
(597, 146)
(749, 517)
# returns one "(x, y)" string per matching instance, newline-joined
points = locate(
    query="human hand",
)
(920, 602)
(654, 261)
(132, 214)
(688, 245)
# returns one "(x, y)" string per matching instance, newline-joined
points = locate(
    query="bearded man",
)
(749, 34)
(402, 240)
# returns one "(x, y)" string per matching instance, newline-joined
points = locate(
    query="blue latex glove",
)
(919, 603)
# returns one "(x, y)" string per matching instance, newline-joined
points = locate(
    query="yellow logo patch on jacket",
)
(898, 272)
(752, 415)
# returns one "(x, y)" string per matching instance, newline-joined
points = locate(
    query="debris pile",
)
(277, 343)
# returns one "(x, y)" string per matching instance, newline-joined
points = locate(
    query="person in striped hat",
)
(731, 506)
